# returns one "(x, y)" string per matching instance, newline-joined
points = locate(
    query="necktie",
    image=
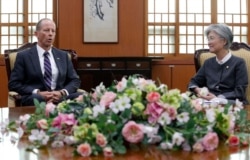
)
(47, 71)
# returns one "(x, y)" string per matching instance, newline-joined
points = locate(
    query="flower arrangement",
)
(134, 110)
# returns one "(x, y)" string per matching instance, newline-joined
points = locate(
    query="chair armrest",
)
(14, 99)
(13, 93)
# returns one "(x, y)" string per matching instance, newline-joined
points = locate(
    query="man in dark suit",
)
(29, 72)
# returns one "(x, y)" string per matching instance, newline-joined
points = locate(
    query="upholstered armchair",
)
(14, 99)
(238, 49)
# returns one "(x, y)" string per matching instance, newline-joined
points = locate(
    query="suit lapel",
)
(58, 61)
(34, 59)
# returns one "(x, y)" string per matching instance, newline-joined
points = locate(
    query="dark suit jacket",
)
(229, 79)
(27, 74)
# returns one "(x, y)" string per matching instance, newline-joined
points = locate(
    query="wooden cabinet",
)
(174, 75)
(93, 70)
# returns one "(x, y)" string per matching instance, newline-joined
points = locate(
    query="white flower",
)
(69, 140)
(20, 132)
(114, 107)
(149, 130)
(4, 125)
(142, 83)
(238, 105)
(121, 85)
(98, 109)
(120, 104)
(185, 95)
(164, 119)
(38, 137)
(204, 91)
(186, 146)
(57, 144)
(166, 145)
(151, 133)
(210, 114)
(177, 139)
(183, 117)
(99, 90)
(23, 119)
(163, 88)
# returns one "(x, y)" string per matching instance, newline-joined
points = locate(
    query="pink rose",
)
(153, 97)
(233, 140)
(84, 149)
(50, 107)
(42, 124)
(107, 98)
(108, 152)
(210, 141)
(133, 132)
(101, 140)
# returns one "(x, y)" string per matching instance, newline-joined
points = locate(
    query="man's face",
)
(46, 35)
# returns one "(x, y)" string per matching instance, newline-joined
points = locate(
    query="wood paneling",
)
(130, 28)
(174, 75)
(3, 84)
(181, 76)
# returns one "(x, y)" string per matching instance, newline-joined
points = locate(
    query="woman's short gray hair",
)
(223, 31)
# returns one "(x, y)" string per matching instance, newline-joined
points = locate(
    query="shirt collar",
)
(225, 59)
(40, 50)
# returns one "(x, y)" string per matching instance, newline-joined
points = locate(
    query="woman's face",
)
(215, 42)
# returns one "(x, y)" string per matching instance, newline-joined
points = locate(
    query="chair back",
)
(238, 49)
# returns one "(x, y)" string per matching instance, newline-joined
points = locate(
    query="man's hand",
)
(53, 96)
(46, 95)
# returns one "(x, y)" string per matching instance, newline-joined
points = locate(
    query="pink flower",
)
(154, 111)
(84, 149)
(197, 103)
(79, 98)
(42, 124)
(107, 98)
(121, 85)
(65, 122)
(198, 147)
(50, 107)
(233, 140)
(108, 152)
(133, 132)
(172, 112)
(153, 97)
(101, 140)
(210, 141)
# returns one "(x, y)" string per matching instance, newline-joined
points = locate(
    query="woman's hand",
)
(204, 93)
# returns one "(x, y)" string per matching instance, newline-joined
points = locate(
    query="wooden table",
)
(17, 151)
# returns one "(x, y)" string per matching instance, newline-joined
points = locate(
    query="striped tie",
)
(47, 71)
